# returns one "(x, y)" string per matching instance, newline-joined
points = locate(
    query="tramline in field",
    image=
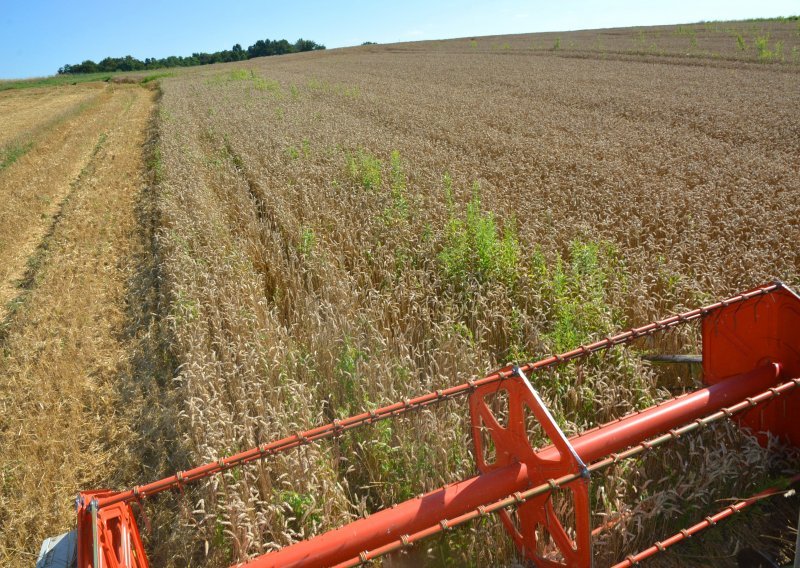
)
(751, 366)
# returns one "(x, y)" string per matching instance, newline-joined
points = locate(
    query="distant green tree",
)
(258, 49)
(307, 45)
(261, 48)
(239, 53)
(282, 47)
(88, 66)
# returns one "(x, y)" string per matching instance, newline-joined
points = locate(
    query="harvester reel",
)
(504, 415)
(751, 367)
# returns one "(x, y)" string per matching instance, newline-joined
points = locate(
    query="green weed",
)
(308, 241)
(575, 288)
(474, 248)
(245, 75)
(389, 461)
(352, 92)
(185, 309)
(397, 178)
(219, 539)
(690, 32)
(300, 507)
(264, 84)
(12, 152)
(155, 77)
(557, 44)
(460, 329)
(315, 84)
(741, 43)
(240, 75)
(762, 46)
(364, 169)
(351, 397)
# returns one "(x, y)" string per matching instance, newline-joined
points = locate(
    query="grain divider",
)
(751, 369)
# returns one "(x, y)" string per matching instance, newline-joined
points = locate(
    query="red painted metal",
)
(108, 537)
(390, 524)
(502, 415)
(709, 521)
(452, 500)
(740, 337)
(632, 429)
(521, 497)
(746, 339)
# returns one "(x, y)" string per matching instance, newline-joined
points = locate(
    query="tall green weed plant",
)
(475, 250)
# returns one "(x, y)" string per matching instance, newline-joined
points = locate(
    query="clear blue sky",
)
(39, 36)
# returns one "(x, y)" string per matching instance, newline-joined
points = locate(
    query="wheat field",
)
(329, 232)
(347, 229)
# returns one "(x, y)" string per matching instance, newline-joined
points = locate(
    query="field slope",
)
(296, 239)
(346, 229)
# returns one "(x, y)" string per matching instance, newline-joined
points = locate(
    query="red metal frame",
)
(741, 336)
(749, 341)
(554, 484)
(389, 525)
(709, 521)
(534, 526)
(108, 537)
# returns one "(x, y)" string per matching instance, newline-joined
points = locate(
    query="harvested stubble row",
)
(57, 137)
(347, 229)
(69, 392)
(24, 110)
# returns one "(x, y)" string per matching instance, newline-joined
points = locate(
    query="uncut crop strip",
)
(303, 291)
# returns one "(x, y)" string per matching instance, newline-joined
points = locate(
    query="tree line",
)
(261, 48)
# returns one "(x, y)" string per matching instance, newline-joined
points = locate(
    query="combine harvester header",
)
(751, 366)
